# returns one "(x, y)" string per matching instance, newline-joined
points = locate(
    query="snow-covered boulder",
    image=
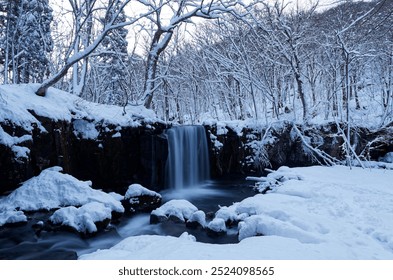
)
(388, 158)
(11, 216)
(52, 189)
(216, 227)
(83, 219)
(229, 214)
(139, 198)
(197, 219)
(178, 210)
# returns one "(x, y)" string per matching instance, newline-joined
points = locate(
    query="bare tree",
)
(180, 12)
(75, 55)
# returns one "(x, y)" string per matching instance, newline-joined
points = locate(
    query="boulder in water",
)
(141, 199)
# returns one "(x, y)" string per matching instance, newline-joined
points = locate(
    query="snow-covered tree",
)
(26, 40)
(111, 63)
(179, 12)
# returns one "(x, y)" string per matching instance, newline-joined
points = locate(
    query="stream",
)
(24, 242)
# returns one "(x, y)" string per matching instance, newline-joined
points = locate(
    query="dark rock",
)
(156, 219)
(143, 203)
(213, 233)
(193, 224)
(111, 163)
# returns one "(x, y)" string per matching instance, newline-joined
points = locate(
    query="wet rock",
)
(197, 219)
(141, 199)
(216, 228)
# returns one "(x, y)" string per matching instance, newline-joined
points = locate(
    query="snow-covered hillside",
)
(331, 213)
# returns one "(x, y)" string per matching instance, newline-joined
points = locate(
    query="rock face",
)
(118, 157)
(114, 157)
(249, 151)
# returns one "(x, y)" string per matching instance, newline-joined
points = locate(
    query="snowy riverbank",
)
(332, 213)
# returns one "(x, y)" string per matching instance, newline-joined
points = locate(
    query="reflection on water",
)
(23, 242)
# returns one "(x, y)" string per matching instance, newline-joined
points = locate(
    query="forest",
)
(194, 60)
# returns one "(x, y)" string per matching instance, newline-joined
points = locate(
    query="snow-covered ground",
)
(326, 213)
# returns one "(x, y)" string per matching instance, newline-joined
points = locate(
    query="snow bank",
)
(178, 208)
(52, 189)
(18, 103)
(82, 219)
(275, 179)
(332, 213)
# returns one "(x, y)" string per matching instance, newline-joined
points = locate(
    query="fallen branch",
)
(329, 160)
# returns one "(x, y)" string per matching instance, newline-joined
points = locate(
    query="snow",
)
(82, 219)
(179, 208)
(52, 189)
(332, 213)
(8, 216)
(19, 104)
(217, 225)
(136, 190)
(199, 217)
(85, 130)
(388, 158)
(13, 141)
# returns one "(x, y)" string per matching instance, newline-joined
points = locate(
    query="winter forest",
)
(192, 60)
(212, 129)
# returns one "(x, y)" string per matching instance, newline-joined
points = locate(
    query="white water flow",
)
(188, 157)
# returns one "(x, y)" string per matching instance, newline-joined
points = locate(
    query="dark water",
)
(25, 242)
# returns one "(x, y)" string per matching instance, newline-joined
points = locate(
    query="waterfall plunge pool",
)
(186, 177)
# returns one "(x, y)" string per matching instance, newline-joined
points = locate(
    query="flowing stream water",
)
(187, 177)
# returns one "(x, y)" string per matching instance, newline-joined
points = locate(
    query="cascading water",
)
(188, 157)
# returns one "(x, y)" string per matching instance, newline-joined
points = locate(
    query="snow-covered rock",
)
(139, 198)
(52, 189)
(11, 216)
(388, 158)
(84, 218)
(216, 227)
(197, 219)
(136, 190)
(178, 210)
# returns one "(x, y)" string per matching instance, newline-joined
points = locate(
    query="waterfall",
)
(188, 157)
